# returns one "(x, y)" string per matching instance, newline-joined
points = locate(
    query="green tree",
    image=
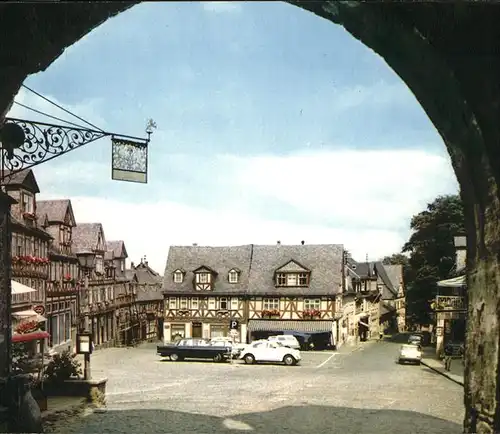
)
(431, 252)
(396, 259)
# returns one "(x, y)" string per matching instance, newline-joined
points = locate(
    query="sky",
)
(273, 124)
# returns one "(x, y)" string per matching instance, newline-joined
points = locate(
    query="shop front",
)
(310, 334)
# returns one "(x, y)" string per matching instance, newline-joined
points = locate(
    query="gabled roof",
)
(118, 249)
(323, 260)
(292, 266)
(146, 275)
(205, 268)
(25, 178)
(86, 236)
(395, 275)
(220, 259)
(56, 211)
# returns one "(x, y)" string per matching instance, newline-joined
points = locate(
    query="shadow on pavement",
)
(290, 419)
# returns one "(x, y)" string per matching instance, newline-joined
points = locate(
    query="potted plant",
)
(61, 368)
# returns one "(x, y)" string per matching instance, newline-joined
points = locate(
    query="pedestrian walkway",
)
(62, 406)
(456, 372)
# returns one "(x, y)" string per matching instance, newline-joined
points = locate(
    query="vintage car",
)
(193, 348)
(265, 351)
(410, 353)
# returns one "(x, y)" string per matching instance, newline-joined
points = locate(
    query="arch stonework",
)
(447, 54)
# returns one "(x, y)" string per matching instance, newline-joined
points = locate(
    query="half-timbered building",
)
(149, 308)
(62, 283)
(100, 308)
(30, 248)
(204, 288)
(266, 289)
(294, 289)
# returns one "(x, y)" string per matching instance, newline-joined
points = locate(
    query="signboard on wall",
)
(39, 309)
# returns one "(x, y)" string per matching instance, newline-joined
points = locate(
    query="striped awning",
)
(296, 326)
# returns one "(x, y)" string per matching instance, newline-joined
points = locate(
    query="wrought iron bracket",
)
(25, 144)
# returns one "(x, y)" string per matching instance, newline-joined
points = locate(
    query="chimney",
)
(302, 242)
(278, 243)
(131, 265)
(145, 260)
(195, 244)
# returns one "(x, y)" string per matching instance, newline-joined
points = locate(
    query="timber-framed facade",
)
(266, 289)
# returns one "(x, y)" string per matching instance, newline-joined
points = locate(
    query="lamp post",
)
(86, 260)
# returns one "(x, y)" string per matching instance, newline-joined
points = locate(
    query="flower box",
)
(311, 313)
(29, 215)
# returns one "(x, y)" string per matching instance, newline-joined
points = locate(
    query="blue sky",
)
(273, 124)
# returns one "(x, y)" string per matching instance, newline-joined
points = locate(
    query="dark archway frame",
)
(447, 54)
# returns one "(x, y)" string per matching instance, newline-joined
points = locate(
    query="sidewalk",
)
(456, 372)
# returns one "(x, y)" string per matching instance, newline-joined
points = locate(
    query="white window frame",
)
(172, 303)
(279, 277)
(271, 303)
(234, 302)
(178, 277)
(203, 277)
(194, 303)
(312, 304)
(233, 276)
(183, 303)
(99, 264)
(211, 302)
(29, 204)
(303, 276)
(292, 279)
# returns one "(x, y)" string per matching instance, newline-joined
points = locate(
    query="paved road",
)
(360, 392)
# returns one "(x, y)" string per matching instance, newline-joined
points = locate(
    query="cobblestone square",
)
(346, 392)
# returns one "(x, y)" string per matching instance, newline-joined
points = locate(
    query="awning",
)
(19, 288)
(29, 314)
(363, 323)
(456, 282)
(297, 326)
(28, 337)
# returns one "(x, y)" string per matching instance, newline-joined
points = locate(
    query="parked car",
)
(286, 340)
(236, 347)
(410, 353)
(415, 338)
(192, 348)
(265, 351)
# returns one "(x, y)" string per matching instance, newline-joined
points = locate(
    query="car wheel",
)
(218, 358)
(174, 357)
(249, 359)
(289, 360)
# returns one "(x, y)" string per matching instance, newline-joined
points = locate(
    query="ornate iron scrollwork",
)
(43, 142)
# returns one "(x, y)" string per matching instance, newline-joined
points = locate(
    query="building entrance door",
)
(196, 330)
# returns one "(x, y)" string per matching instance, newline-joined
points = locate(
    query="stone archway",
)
(448, 57)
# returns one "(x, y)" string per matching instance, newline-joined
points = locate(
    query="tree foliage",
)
(431, 252)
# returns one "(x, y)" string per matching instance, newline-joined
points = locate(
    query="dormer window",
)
(203, 278)
(178, 276)
(233, 276)
(292, 274)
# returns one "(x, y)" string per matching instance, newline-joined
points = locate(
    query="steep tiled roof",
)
(323, 260)
(85, 236)
(395, 275)
(55, 210)
(118, 248)
(258, 264)
(21, 178)
(220, 259)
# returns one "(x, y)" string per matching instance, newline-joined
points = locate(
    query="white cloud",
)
(221, 6)
(371, 194)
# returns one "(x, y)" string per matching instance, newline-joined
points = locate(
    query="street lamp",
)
(86, 260)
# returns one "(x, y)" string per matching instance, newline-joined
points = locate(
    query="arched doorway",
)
(447, 55)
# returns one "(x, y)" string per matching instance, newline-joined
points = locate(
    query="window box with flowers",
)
(30, 260)
(29, 215)
(311, 313)
(68, 279)
(270, 313)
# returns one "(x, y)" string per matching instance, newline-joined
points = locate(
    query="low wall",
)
(77, 387)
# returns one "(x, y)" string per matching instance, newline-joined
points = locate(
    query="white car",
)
(265, 351)
(410, 353)
(286, 340)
